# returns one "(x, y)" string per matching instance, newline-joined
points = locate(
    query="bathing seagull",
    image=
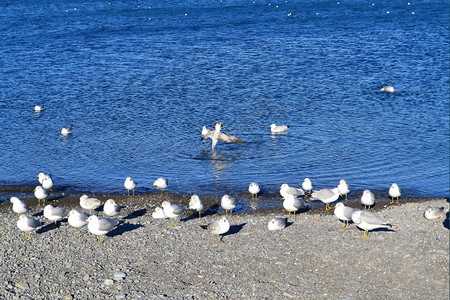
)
(216, 135)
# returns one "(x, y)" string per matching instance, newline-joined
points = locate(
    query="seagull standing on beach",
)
(77, 219)
(195, 203)
(278, 129)
(368, 221)
(285, 190)
(307, 185)
(19, 207)
(41, 194)
(344, 189)
(55, 214)
(161, 183)
(27, 224)
(293, 204)
(216, 135)
(434, 212)
(220, 227)
(254, 189)
(111, 208)
(158, 213)
(326, 196)
(344, 213)
(101, 226)
(130, 185)
(228, 203)
(367, 198)
(172, 211)
(394, 192)
(89, 203)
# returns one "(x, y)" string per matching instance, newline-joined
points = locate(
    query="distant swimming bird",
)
(344, 189)
(111, 208)
(277, 223)
(161, 183)
(434, 212)
(55, 214)
(307, 185)
(89, 203)
(41, 194)
(285, 190)
(326, 196)
(344, 213)
(195, 203)
(387, 89)
(220, 226)
(65, 131)
(38, 108)
(19, 207)
(158, 213)
(278, 129)
(27, 224)
(254, 189)
(228, 203)
(173, 211)
(130, 185)
(394, 192)
(101, 226)
(77, 219)
(216, 135)
(368, 221)
(367, 198)
(293, 204)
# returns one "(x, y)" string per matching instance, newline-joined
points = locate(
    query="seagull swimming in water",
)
(278, 128)
(216, 135)
(387, 89)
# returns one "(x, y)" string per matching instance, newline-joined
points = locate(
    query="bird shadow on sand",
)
(447, 220)
(235, 229)
(122, 228)
(135, 214)
(49, 226)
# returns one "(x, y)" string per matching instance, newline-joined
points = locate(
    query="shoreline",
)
(313, 257)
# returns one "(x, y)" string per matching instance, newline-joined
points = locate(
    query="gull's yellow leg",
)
(365, 234)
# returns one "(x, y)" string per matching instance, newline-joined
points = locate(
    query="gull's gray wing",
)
(229, 138)
(370, 218)
(107, 224)
(322, 194)
(348, 211)
(178, 209)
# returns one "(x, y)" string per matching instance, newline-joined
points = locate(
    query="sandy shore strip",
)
(144, 258)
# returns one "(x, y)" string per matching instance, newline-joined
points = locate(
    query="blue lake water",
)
(138, 80)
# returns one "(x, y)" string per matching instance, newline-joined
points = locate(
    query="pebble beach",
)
(145, 258)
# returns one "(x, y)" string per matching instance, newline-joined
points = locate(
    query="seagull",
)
(367, 198)
(278, 129)
(111, 208)
(344, 213)
(55, 214)
(254, 189)
(394, 192)
(307, 185)
(196, 204)
(161, 183)
(387, 89)
(101, 226)
(27, 224)
(326, 196)
(434, 212)
(47, 182)
(77, 219)
(38, 108)
(368, 221)
(220, 227)
(277, 223)
(228, 203)
(172, 211)
(66, 130)
(89, 203)
(130, 185)
(41, 194)
(285, 190)
(292, 204)
(216, 135)
(344, 189)
(41, 177)
(158, 213)
(205, 131)
(19, 207)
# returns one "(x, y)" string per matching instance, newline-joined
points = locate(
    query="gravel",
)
(145, 258)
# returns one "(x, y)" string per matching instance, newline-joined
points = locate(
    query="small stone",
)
(23, 285)
(108, 282)
(119, 275)
(86, 277)
(120, 296)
